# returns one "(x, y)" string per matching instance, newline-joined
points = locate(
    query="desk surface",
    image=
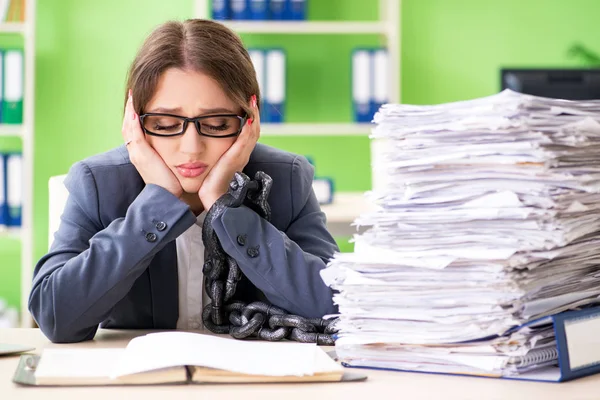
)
(380, 384)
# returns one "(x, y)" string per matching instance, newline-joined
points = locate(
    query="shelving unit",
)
(306, 27)
(295, 129)
(346, 206)
(25, 132)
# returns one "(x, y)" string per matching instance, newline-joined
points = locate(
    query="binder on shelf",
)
(380, 80)
(3, 205)
(258, 10)
(275, 86)
(14, 192)
(277, 9)
(12, 105)
(1, 85)
(296, 10)
(323, 188)
(362, 85)
(220, 9)
(239, 9)
(4, 5)
(258, 60)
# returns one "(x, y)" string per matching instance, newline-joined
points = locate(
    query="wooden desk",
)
(380, 385)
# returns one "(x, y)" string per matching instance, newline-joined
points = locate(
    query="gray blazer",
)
(113, 262)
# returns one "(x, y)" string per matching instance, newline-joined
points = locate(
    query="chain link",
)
(222, 275)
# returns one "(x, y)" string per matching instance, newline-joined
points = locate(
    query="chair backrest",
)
(58, 195)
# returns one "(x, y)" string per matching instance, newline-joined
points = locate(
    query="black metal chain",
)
(222, 275)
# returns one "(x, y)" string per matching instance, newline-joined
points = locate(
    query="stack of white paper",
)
(489, 218)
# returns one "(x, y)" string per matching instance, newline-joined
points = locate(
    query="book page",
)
(168, 349)
(77, 363)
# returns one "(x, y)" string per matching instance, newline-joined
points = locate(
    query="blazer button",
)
(241, 239)
(253, 252)
(161, 226)
(151, 237)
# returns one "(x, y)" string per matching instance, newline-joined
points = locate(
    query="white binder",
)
(258, 60)
(380, 80)
(14, 195)
(361, 85)
(275, 86)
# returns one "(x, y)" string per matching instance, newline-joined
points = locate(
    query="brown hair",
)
(198, 45)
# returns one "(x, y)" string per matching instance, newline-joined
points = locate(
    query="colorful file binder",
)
(258, 60)
(14, 185)
(220, 9)
(380, 80)
(12, 105)
(277, 9)
(258, 9)
(296, 10)
(362, 85)
(275, 91)
(3, 205)
(239, 9)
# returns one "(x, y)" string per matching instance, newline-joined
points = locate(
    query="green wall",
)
(451, 50)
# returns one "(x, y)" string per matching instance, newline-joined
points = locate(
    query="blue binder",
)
(3, 205)
(14, 188)
(275, 85)
(258, 61)
(295, 10)
(220, 9)
(277, 9)
(240, 9)
(362, 85)
(258, 10)
(380, 93)
(576, 333)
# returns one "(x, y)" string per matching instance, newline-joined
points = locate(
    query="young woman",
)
(129, 251)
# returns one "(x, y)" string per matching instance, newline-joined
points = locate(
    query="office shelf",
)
(315, 129)
(12, 130)
(25, 132)
(307, 27)
(13, 27)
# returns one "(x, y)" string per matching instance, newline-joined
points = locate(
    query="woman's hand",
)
(233, 160)
(146, 160)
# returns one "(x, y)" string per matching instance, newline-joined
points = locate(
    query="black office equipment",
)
(570, 84)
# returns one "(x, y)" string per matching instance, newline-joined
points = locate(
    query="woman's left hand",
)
(233, 160)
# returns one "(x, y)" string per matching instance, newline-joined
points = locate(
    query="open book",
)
(181, 357)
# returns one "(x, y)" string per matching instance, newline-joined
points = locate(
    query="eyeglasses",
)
(219, 126)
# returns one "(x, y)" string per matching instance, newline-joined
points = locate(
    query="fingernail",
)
(249, 122)
(134, 116)
(129, 92)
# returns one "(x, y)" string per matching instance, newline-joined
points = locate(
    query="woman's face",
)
(190, 94)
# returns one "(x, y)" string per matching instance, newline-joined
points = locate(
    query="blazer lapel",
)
(165, 287)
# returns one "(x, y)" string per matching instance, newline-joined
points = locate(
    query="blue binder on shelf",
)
(295, 10)
(275, 90)
(220, 9)
(14, 188)
(259, 10)
(3, 205)
(576, 333)
(277, 9)
(240, 9)
(362, 85)
(380, 94)
(258, 60)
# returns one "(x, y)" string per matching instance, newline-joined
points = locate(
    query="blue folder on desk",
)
(578, 346)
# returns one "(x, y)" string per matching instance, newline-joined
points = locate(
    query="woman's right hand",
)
(146, 160)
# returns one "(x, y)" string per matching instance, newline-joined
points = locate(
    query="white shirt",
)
(190, 260)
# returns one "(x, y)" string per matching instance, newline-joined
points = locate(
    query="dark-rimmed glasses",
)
(218, 125)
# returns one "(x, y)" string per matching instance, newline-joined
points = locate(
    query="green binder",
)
(12, 105)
